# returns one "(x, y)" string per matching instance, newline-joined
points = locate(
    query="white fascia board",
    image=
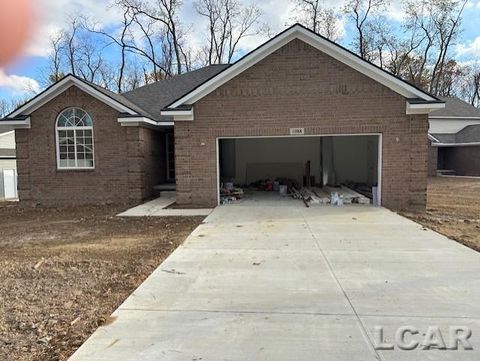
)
(433, 116)
(329, 48)
(432, 138)
(473, 144)
(179, 115)
(142, 121)
(15, 124)
(60, 87)
(6, 133)
(135, 121)
(423, 108)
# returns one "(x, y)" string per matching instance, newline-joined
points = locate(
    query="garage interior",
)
(311, 168)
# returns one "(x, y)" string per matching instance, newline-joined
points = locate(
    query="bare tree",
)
(437, 24)
(9, 105)
(71, 48)
(318, 18)
(469, 88)
(55, 59)
(360, 12)
(474, 96)
(122, 40)
(164, 14)
(90, 59)
(229, 22)
(447, 18)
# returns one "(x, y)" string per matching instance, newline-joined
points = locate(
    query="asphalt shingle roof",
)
(121, 99)
(469, 134)
(152, 98)
(456, 107)
(446, 138)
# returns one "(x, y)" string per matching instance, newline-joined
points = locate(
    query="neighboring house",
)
(8, 165)
(7, 150)
(454, 137)
(297, 99)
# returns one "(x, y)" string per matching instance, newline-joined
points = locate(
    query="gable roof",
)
(154, 97)
(146, 101)
(116, 101)
(328, 47)
(456, 108)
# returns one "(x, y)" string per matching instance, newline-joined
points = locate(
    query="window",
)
(74, 140)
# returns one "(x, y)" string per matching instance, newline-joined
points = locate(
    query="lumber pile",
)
(349, 195)
(328, 195)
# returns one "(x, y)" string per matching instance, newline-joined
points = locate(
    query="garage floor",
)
(272, 280)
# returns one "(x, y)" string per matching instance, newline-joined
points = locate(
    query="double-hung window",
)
(74, 130)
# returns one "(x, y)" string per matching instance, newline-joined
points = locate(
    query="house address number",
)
(297, 131)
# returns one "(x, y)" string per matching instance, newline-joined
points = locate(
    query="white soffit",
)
(423, 108)
(142, 121)
(179, 114)
(320, 43)
(9, 125)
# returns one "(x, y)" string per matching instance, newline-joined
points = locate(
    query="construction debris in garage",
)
(310, 195)
(318, 170)
(336, 196)
(229, 193)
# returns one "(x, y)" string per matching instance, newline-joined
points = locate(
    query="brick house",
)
(298, 97)
(454, 139)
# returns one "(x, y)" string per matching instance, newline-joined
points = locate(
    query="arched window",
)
(74, 140)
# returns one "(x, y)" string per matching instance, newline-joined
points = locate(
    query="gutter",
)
(472, 144)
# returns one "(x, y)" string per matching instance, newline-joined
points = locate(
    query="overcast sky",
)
(22, 76)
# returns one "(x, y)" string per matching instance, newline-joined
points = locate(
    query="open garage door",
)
(317, 164)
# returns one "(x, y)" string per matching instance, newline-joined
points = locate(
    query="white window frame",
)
(57, 141)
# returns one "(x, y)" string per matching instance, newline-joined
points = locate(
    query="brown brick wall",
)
(298, 86)
(124, 158)
(465, 161)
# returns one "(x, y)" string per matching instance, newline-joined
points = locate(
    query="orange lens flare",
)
(16, 26)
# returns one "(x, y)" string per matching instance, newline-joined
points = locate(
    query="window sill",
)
(75, 169)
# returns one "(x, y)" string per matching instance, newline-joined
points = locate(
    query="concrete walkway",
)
(274, 280)
(159, 208)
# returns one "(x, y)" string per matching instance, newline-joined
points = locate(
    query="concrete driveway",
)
(273, 280)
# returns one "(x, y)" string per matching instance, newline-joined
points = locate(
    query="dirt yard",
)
(453, 209)
(64, 271)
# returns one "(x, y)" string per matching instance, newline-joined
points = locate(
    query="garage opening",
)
(315, 169)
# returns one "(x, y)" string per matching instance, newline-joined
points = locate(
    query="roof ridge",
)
(177, 76)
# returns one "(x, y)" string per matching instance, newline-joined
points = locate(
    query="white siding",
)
(450, 126)
(7, 140)
(8, 164)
